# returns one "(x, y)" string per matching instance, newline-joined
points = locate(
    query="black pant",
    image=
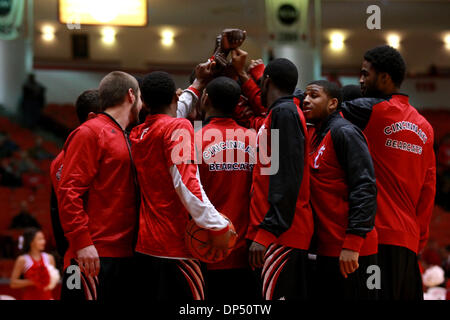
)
(116, 281)
(284, 273)
(232, 285)
(400, 274)
(330, 284)
(164, 279)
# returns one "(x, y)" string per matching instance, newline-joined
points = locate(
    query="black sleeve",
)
(354, 157)
(358, 111)
(58, 233)
(284, 185)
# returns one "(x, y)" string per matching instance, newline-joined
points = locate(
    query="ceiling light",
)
(108, 35)
(447, 41)
(337, 41)
(48, 33)
(394, 40)
(167, 38)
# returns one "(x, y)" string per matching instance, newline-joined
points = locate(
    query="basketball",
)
(197, 241)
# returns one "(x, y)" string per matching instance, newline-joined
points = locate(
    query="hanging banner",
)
(11, 17)
(287, 20)
(129, 13)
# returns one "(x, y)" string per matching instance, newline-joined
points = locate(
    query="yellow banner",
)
(131, 13)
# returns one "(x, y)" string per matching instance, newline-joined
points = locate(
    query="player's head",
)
(221, 95)
(159, 92)
(351, 92)
(382, 72)
(120, 89)
(87, 103)
(116, 87)
(32, 239)
(281, 75)
(322, 98)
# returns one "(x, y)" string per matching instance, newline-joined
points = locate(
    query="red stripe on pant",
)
(274, 261)
(193, 274)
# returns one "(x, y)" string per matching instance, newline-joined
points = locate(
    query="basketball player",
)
(87, 105)
(97, 191)
(171, 193)
(343, 198)
(226, 175)
(401, 145)
(281, 222)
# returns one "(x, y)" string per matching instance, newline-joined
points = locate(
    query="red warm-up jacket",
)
(401, 145)
(97, 190)
(228, 157)
(343, 189)
(280, 210)
(164, 154)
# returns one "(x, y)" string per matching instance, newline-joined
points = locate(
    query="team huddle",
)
(321, 186)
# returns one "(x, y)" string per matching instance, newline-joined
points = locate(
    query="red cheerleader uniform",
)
(36, 271)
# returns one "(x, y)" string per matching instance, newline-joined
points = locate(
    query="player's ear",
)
(333, 104)
(131, 96)
(91, 115)
(206, 98)
(385, 77)
(175, 98)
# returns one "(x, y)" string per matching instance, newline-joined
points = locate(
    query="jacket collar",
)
(389, 96)
(217, 119)
(112, 120)
(281, 100)
(401, 96)
(322, 131)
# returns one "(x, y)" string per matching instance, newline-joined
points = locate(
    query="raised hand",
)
(232, 39)
(203, 74)
(254, 63)
(238, 60)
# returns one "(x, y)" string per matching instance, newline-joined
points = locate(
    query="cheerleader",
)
(34, 271)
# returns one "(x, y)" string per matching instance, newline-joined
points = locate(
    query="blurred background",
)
(52, 50)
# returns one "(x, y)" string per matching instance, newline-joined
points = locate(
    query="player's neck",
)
(214, 113)
(168, 110)
(390, 92)
(389, 89)
(121, 114)
(274, 95)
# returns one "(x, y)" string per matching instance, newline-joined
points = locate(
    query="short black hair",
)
(88, 101)
(283, 74)
(158, 89)
(330, 88)
(351, 92)
(114, 88)
(387, 59)
(224, 94)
